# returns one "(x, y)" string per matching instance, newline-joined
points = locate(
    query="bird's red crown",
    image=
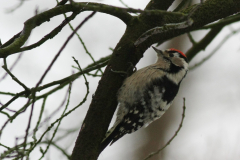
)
(173, 49)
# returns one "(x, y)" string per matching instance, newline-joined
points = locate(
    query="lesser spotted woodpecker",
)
(148, 93)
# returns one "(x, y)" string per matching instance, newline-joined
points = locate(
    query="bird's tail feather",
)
(111, 137)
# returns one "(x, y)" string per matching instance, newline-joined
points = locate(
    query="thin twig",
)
(31, 23)
(59, 119)
(203, 43)
(80, 39)
(28, 127)
(191, 38)
(215, 50)
(80, 69)
(99, 64)
(15, 7)
(64, 45)
(124, 4)
(56, 129)
(11, 110)
(39, 119)
(13, 65)
(14, 78)
(16, 96)
(6, 114)
(53, 113)
(50, 35)
(62, 82)
(59, 148)
(48, 69)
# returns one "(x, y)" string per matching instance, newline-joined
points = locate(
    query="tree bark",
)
(104, 101)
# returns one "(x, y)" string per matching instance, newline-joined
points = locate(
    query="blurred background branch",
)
(43, 131)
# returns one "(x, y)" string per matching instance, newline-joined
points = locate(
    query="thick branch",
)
(104, 102)
(37, 20)
(224, 22)
(159, 4)
(182, 5)
(15, 44)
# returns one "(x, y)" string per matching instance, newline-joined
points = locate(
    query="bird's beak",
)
(159, 52)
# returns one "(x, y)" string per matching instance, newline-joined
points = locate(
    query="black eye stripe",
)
(171, 55)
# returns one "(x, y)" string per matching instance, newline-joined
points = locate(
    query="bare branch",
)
(224, 22)
(50, 35)
(62, 82)
(16, 7)
(47, 70)
(103, 105)
(13, 65)
(151, 26)
(56, 129)
(82, 42)
(191, 38)
(37, 20)
(15, 78)
(159, 30)
(203, 43)
(215, 50)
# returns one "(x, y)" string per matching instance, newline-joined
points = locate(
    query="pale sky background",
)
(211, 126)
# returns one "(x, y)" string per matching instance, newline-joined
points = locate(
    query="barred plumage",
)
(148, 93)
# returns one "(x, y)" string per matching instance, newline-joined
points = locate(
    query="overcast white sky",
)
(211, 126)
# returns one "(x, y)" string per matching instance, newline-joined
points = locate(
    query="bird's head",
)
(173, 58)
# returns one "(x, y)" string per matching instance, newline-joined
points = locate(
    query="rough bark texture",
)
(104, 102)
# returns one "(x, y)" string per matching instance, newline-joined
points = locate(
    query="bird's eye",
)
(171, 55)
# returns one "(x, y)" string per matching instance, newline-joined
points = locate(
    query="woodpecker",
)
(148, 93)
